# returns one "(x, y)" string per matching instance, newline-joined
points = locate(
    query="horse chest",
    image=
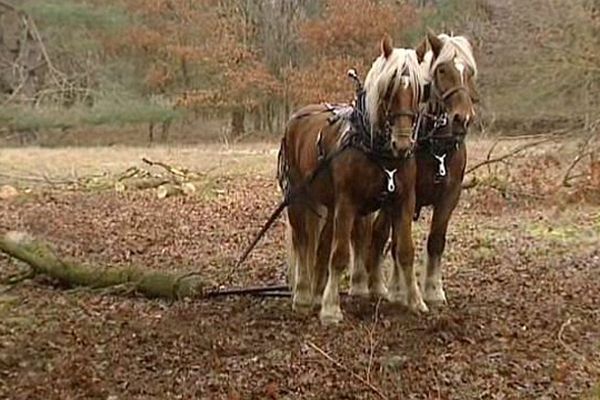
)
(377, 186)
(430, 186)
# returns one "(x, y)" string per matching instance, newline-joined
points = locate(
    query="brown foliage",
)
(346, 36)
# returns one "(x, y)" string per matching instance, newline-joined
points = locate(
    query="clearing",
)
(521, 271)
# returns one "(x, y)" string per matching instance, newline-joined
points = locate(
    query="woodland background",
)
(137, 71)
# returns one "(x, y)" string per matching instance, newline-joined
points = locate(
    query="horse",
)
(441, 155)
(339, 164)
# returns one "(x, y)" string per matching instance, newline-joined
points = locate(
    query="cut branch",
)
(40, 257)
(510, 154)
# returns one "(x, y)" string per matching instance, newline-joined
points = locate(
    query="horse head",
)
(451, 71)
(393, 88)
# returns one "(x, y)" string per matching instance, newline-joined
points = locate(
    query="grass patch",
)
(109, 111)
(567, 231)
(68, 14)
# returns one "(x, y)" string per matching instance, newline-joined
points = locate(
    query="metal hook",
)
(442, 164)
(391, 185)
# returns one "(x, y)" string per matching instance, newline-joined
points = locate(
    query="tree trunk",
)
(152, 284)
(238, 116)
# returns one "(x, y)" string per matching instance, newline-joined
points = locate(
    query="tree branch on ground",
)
(515, 151)
(152, 284)
(344, 368)
(586, 149)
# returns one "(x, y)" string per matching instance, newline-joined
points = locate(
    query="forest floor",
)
(521, 268)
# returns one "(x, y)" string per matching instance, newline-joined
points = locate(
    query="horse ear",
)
(421, 50)
(435, 43)
(386, 45)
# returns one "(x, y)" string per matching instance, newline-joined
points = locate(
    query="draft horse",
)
(337, 165)
(441, 155)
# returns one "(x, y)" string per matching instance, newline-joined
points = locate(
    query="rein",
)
(291, 196)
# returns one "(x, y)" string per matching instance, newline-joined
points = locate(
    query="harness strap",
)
(290, 196)
(452, 91)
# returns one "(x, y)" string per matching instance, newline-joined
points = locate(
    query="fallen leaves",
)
(511, 288)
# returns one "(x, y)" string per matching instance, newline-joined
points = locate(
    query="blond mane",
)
(456, 48)
(402, 64)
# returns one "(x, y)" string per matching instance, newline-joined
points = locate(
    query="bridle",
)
(434, 129)
(390, 119)
(438, 102)
(378, 143)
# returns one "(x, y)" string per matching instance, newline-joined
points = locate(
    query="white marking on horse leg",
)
(377, 286)
(398, 292)
(421, 274)
(414, 298)
(434, 290)
(330, 307)
(358, 279)
(317, 270)
(302, 301)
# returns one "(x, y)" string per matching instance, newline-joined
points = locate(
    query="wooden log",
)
(188, 188)
(168, 190)
(139, 184)
(152, 284)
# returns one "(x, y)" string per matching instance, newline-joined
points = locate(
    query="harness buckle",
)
(441, 165)
(441, 121)
(391, 184)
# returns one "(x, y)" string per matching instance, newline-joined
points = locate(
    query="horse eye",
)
(442, 70)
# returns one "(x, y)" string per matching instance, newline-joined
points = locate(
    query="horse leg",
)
(343, 221)
(322, 262)
(404, 254)
(291, 258)
(360, 241)
(302, 300)
(436, 241)
(380, 232)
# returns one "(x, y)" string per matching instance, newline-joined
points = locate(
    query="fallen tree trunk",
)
(42, 259)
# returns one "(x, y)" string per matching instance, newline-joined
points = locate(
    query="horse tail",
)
(283, 168)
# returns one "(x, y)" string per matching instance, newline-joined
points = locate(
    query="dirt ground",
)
(522, 267)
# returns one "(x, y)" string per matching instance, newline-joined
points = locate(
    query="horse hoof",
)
(302, 305)
(437, 297)
(418, 306)
(331, 317)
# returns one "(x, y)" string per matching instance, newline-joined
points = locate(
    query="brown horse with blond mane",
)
(339, 164)
(441, 156)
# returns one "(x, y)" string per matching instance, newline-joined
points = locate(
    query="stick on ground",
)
(341, 366)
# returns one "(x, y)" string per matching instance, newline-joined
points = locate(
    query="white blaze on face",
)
(461, 69)
(405, 82)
